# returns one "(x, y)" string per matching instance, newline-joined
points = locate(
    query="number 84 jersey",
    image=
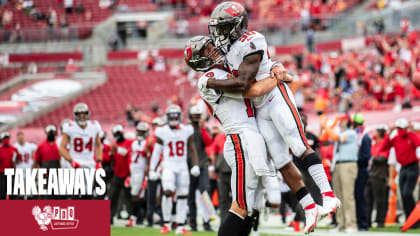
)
(82, 142)
(175, 144)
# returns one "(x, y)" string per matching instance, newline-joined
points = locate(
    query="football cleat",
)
(165, 229)
(130, 223)
(182, 231)
(330, 203)
(311, 214)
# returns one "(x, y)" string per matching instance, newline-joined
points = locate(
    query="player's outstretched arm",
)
(63, 148)
(246, 74)
(98, 148)
(261, 87)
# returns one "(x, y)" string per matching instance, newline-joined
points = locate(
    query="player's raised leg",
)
(288, 123)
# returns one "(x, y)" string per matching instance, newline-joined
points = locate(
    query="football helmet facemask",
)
(173, 115)
(200, 53)
(81, 113)
(228, 22)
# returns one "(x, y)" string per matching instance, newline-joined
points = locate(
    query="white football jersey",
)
(250, 43)
(234, 114)
(138, 161)
(175, 143)
(82, 142)
(25, 152)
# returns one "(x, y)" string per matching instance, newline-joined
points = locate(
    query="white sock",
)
(306, 201)
(166, 208)
(181, 210)
(318, 175)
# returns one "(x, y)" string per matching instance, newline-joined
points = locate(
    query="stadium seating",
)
(126, 84)
(7, 73)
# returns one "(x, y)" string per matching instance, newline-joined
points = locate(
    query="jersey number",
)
(78, 145)
(179, 146)
(249, 109)
(246, 36)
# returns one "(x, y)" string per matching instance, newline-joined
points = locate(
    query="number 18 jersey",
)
(175, 144)
(82, 142)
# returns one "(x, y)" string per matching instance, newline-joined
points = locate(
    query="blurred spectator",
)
(60, 3)
(129, 110)
(155, 111)
(79, 9)
(407, 147)
(7, 18)
(17, 34)
(364, 154)
(202, 140)
(160, 64)
(71, 67)
(376, 192)
(310, 40)
(64, 27)
(344, 173)
(405, 25)
(52, 19)
(88, 15)
(68, 5)
(8, 155)
(150, 62)
(379, 25)
(181, 27)
(37, 15)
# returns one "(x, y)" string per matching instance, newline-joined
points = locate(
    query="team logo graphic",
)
(235, 9)
(56, 217)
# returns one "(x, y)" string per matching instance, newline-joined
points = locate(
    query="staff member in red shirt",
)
(120, 156)
(407, 151)
(8, 155)
(47, 155)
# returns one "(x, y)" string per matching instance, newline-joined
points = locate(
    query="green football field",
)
(122, 231)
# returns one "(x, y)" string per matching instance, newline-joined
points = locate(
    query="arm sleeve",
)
(206, 137)
(157, 150)
(36, 155)
(233, 95)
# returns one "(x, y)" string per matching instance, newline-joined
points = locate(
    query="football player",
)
(25, 152)
(176, 142)
(138, 165)
(248, 59)
(240, 127)
(82, 137)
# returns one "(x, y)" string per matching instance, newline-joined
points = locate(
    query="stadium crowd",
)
(361, 162)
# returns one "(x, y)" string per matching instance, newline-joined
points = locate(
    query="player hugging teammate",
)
(232, 59)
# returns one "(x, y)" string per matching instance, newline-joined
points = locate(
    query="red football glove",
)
(127, 182)
(75, 165)
(98, 165)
